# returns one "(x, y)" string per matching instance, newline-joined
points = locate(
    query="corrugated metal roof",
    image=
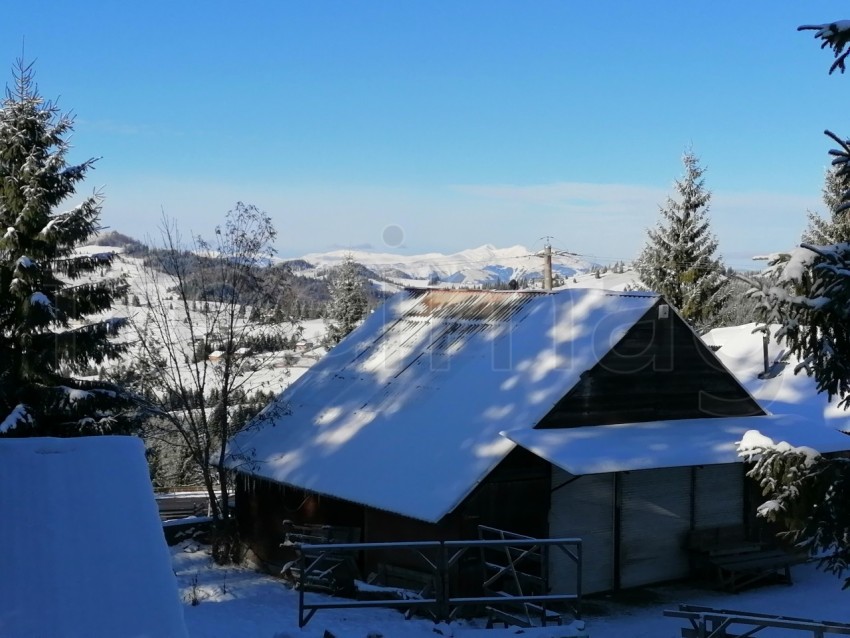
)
(404, 415)
(487, 306)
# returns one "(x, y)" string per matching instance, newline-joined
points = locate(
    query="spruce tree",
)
(835, 228)
(348, 301)
(808, 295)
(47, 290)
(679, 259)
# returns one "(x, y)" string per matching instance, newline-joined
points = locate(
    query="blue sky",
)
(462, 123)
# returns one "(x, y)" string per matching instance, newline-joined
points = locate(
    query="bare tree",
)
(200, 351)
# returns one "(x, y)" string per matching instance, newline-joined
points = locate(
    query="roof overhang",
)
(599, 449)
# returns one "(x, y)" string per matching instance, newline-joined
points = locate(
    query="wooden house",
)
(578, 412)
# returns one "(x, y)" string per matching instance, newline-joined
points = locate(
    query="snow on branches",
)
(835, 35)
(49, 331)
(808, 493)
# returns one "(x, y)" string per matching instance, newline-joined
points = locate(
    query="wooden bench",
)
(737, 562)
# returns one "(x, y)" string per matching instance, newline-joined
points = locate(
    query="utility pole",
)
(547, 266)
(547, 260)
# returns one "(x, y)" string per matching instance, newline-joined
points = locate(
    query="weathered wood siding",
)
(655, 518)
(719, 496)
(659, 370)
(514, 497)
(262, 507)
(583, 507)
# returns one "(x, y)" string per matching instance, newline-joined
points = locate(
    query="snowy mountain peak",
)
(485, 264)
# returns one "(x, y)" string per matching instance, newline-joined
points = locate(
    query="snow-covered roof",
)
(782, 392)
(82, 551)
(404, 415)
(642, 446)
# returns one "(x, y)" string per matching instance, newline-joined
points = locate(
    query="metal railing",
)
(706, 622)
(440, 559)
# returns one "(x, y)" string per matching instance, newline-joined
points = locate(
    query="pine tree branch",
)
(835, 35)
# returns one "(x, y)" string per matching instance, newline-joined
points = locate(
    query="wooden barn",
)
(582, 413)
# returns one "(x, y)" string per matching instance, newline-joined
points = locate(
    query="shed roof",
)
(642, 446)
(81, 545)
(404, 415)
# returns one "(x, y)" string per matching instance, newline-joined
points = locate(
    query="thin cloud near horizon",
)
(591, 195)
(608, 220)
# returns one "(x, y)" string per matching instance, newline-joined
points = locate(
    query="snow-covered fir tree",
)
(808, 494)
(348, 301)
(809, 298)
(806, 305)
(679, 259)
(47, 291)
(836, 227)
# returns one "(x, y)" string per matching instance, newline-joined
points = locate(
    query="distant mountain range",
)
(475, 266)
(483, 265)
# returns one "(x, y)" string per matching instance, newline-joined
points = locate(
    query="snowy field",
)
(269, 372)
(237, 602)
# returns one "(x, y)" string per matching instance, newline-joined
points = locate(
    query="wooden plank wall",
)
(659, 370)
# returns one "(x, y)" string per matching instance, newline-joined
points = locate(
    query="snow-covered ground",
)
(238, 602)
(781, 391)
(272, 372)
(627, 280)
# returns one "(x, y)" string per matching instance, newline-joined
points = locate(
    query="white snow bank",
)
(82, 553)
